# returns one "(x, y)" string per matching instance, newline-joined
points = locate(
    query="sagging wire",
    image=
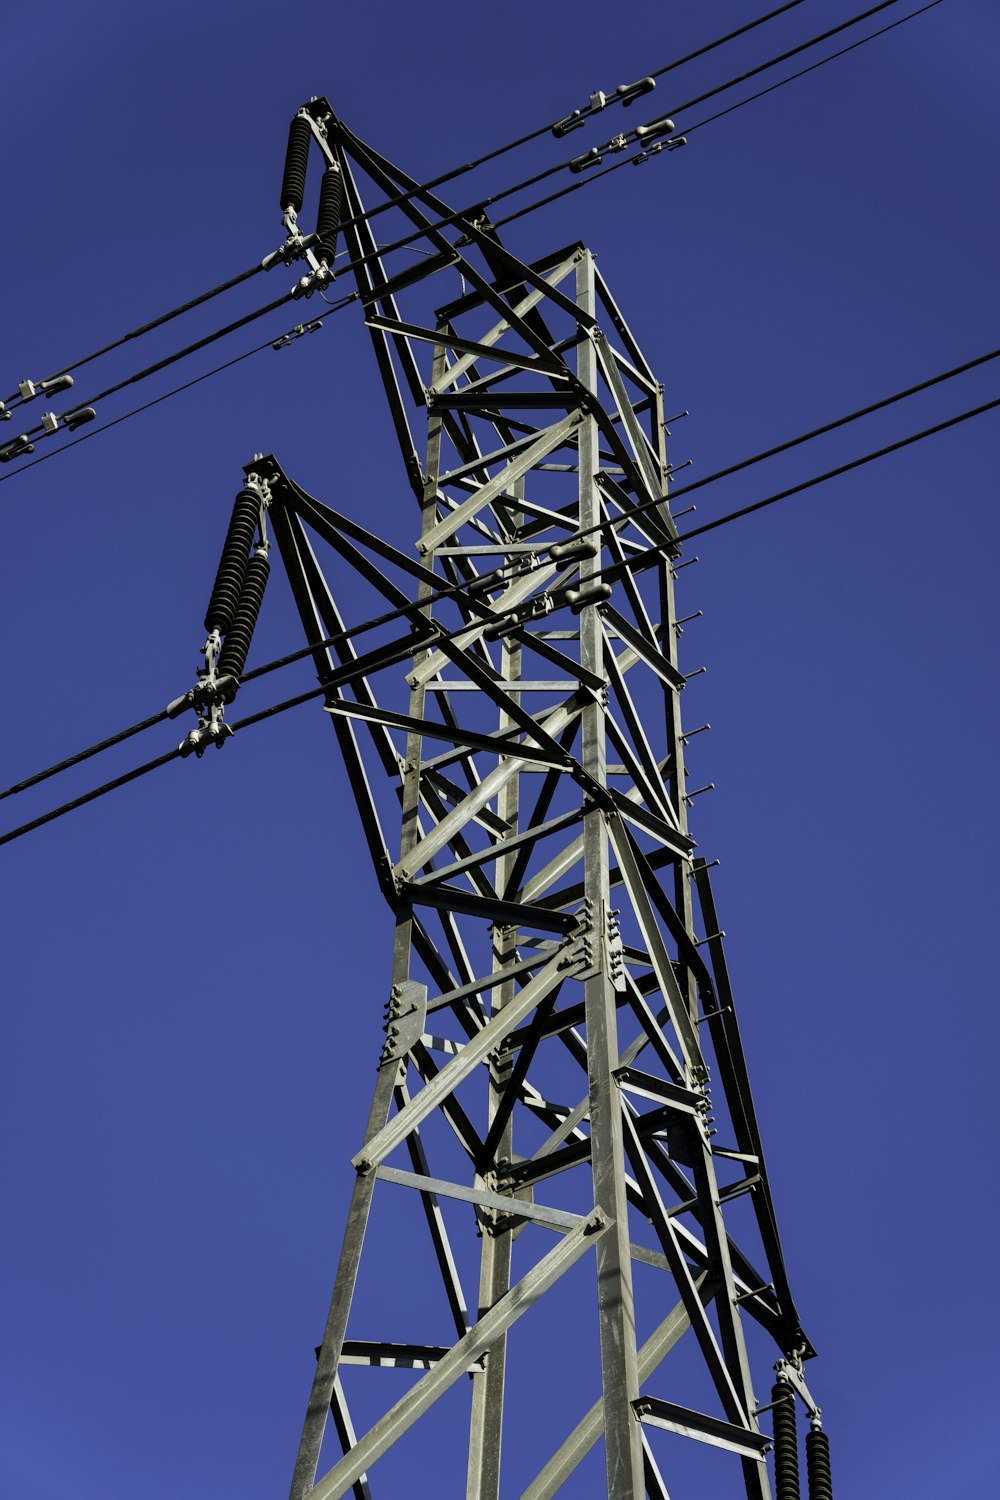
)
(625, 94)
(344, 676)
(281, 342)
(635, 160)
(648, 135)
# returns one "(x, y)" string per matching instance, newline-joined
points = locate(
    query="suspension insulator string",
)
(818, 1461)
(232, 613)
(233, 563)
(786, 1453)
(293, 182)
(233, 655)
(331, 193)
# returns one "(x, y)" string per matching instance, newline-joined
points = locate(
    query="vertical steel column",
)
(389, 1074)
(486, 1426)
(619, 1366)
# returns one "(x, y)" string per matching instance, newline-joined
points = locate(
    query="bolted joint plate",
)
(406, 1014)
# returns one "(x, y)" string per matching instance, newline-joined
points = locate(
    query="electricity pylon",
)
(558, 1005)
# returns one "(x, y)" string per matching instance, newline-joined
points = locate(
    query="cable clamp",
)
(625, 94)
(672, 145)
(296, 333)
(294, 248)
(15, 448)
(314, 282)
(209, 732)
(591, 158)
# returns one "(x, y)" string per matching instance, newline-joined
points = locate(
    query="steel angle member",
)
(476, 1050)
(448, 340)
(651, 823)
(589, 1429)
(502, 846)
(510, 1307)
(635, 1081)
(551, 438)
(406, 1015)
(643, 453)
(686, 1034)
(566, 858)
(650, 654)
(491, 909)
(432, 730)
(553, 724)
(529, 301)
(388, 1356)
(695, 1424)
(519, 590)
(500, 1203)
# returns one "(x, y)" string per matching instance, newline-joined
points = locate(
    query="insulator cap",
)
(650, 131)
(74, 419)
(233, 563)
(499, 628)
(589, 158)
(581, 547)
(628, 93)
(590, 593)
(293, 183)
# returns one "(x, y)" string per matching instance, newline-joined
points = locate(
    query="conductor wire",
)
(434, 182)
(343, 676)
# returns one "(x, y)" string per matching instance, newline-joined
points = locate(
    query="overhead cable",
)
(91, 796)
(345, 675)
(622, 94)
(644, 133)
(854, 463)
(842, 52)
(796, 442)
(638, 158)
(523, 140)
(270, 343)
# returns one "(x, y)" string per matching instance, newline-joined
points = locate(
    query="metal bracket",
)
(406, 1013)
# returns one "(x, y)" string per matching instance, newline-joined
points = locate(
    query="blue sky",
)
(196, 965)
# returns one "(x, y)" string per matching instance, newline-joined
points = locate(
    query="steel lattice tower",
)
(558, 1002)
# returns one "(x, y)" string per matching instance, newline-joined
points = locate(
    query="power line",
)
(498, 224)
(640, 157)
(843, 51)
(823, 36)
(456, 590)
(639, 563)
(489, 200)
(100, 791)
(456, 218)
(270, 261)
(796, 442)
(343, 676)
(175, 391)
(175, 312)
(172, 359)
(480, 161)
(74, 760)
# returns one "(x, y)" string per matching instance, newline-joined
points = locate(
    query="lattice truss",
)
(543, 1114)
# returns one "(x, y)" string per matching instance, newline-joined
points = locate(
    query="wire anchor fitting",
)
(233, 607)
(621, 142)
(625, 93)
